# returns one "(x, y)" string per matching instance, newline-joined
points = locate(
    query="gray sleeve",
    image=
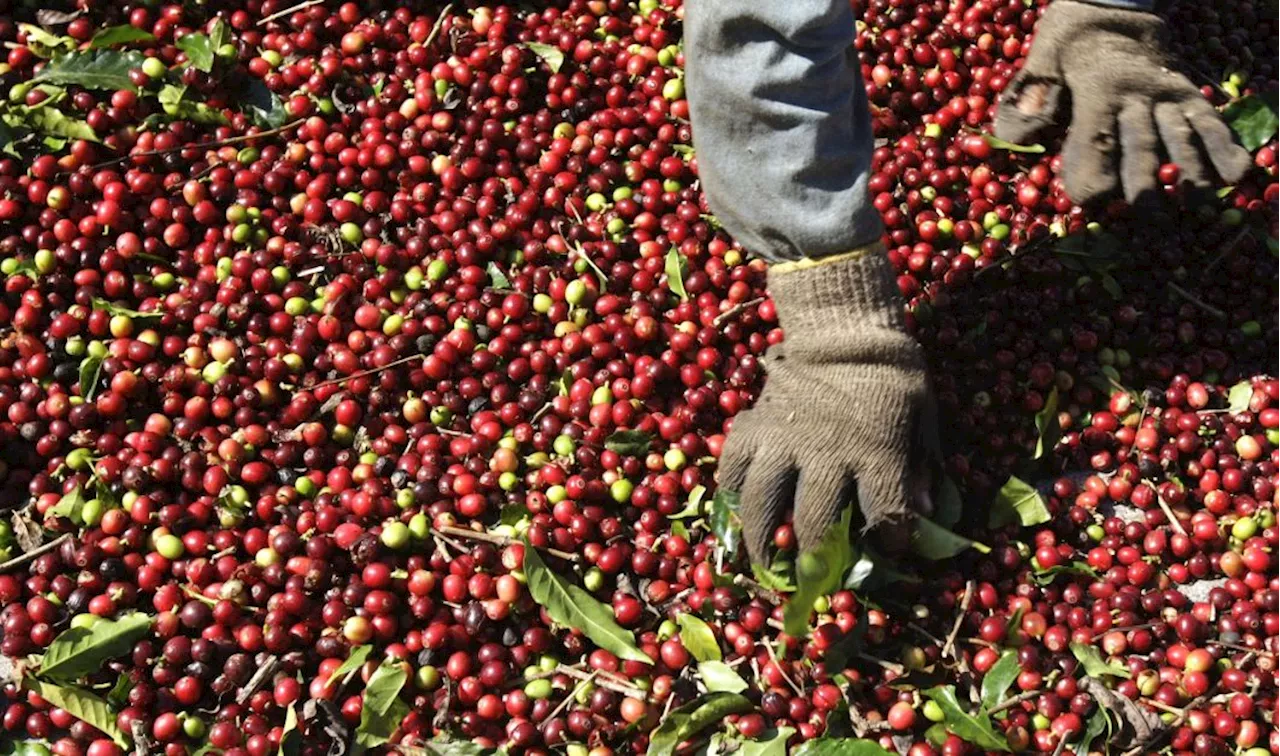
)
(781, 124)
(1139, 5)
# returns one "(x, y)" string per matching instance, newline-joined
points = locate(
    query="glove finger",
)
(766, 494)
(1179, 142)
(821, 494)
(884, 497)
(1033, 99)
(1030, 103)
(735, 459)
(1089, 152)
(927, 457)
(1139, 153)
(1230, 159)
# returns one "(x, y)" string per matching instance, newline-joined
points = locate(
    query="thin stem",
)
(366, 373)
(1012, 702)
(35, 553)
(437, 26)
(497, 540)
(1193, 299)
(950, 645)
(206, 145)
(288, 11)
(734, 311)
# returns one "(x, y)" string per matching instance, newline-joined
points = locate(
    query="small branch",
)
(1193, 299)
(949, 646)
(437, 26)
(22, 559)
(264, 673)
(1015, 701)
(289, 11)
(604, 682)
(366, 373)
(1168, 512)
(205, 146)
(893, 667)
(924, 633)
(568, 699)
(777, 662)
(497, 540)
(734, 311)
(753, 587)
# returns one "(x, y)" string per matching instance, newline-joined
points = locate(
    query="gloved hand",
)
(1124, 102)
(844, 411)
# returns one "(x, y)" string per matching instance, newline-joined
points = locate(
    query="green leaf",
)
(693, 507)
(219, 34)
(774, 745)
(719, 677)
(119, 695)
(686, 721)
(1239, 396)
(932, 541)
(80, 651)
(383, 710)
(675, 267)
(1001, 144)
(123, 34)
(972, 728)
(355, 660)
(264, 107)
(384, 687)
(1111, 286)
(628, 443)
(698, 638)
(24, 748)
(1094, 665)
(550, 54)
(776, 577)
(443, 745)
(90, 369)
(1048, 429)
(948, 505)
(1002, 675)
(51, 122)
(819, 572)
(43, 44)
(173, 99)
(199, 49)
(871, 571)
(114, 309)
(497, 278)
(512, 514)
(1018, 502)
(70, 506)
(1095, 726)
(290, 737)
(936, 735)
(725, 523)
(80, 704)
(1254, 119)
(1045, 577)
(92, 69)
(571, 606)
(840, 747)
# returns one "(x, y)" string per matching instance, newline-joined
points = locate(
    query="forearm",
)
(781, 124)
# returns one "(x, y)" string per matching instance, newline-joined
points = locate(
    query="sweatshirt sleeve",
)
(781, 124)
(1138, 5)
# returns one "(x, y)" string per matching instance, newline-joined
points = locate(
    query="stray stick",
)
(22, 559)
(950, 646)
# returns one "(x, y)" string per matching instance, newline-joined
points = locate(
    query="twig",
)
(1061, 746)
(1238, 647)
(1153, 703)
(437, 26)
(734, 311)
(949, 646)
(1012, 702)
(288, 11)
(1145, 746)
(924, 633)
(265, 671)
(1193, 299)
(1168, 512)
(443, 542)
(141, 743)
(603, 682)
(778, 663)
(1227, 249)
(1127, 629)
(568, 699)
(752, 586)
(22, 559)
(366, 373)
(893, 667)
(497, 540)
(205, 146)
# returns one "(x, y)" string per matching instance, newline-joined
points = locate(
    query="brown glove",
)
(844, 410)
(1124, 102)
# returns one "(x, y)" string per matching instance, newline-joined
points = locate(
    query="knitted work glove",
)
(844, 413)
(1124, 102)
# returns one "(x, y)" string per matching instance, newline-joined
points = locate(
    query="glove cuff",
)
(846, 293)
